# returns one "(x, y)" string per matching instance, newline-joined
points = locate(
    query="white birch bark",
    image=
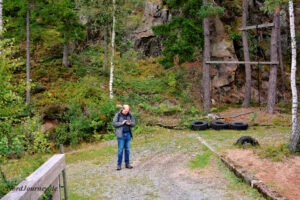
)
(293, 75)
(111, 79)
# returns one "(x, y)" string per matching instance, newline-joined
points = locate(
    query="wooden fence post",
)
(64, 175)
(55, 187)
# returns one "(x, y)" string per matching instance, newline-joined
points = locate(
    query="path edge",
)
(240, 172)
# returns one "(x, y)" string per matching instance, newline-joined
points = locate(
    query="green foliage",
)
(34, 141)
(209, 10)
(10, 93)
(10, 141)
(182, 36)
(271, 5)
(6, 184)
(161, 109)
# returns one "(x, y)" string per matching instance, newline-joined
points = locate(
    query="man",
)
(123, 121)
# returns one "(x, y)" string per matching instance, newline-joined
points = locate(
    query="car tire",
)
(218, 125)
(239, 125)
(199, 125)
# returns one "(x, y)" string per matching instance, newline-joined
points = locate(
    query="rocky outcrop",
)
(223, 75)
(145, 40)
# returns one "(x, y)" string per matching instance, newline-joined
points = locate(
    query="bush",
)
(10, 142)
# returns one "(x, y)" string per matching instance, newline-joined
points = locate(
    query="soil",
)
(284, 176)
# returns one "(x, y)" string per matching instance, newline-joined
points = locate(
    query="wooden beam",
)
(257, 26)
(37, 182)
(242, 62)
(56, 189)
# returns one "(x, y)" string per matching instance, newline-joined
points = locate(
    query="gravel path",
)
(161, 171)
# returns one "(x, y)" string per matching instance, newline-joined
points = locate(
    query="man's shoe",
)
(119, 168)
(129, 167)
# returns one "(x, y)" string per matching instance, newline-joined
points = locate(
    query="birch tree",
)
(247, 98)
(111, 79)
(295, 134)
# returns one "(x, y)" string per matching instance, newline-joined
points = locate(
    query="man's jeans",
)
(124, 144)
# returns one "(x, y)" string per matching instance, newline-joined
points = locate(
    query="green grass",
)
(201, 160)
(100, 153)
(225, 139)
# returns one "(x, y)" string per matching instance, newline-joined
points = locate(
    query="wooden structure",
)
(46, 176)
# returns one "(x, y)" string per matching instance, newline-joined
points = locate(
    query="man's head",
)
(125, 109)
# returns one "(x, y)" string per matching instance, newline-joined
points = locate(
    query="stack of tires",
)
(218, 125)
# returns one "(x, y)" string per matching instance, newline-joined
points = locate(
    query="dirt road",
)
(161, 171)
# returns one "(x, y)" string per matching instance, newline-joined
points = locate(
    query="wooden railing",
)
(46, 176)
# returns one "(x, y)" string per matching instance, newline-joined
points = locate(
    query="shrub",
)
(10, 142)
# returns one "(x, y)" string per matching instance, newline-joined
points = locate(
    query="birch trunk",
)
(247, 98)
(28, 53)
(206, 82)
(295, 134)
(111, 79)
(272, 91)
(1, 21)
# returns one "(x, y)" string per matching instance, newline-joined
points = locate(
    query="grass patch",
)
(225, 139)
(102, 154)
(276, 153)
(201, 160)
(23, 167)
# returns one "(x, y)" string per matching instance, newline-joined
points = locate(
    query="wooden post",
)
(55, 187)
(64, 175)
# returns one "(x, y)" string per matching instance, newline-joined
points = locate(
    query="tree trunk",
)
(206, 82)
(111, 79)
(65, 61)
(1, 21)
(273, 68)
(105, 66)
(247, 97)
(28, 87)
(295, 134)
(280, 58)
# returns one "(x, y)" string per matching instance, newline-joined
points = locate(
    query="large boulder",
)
(222, 49)
(145, 40)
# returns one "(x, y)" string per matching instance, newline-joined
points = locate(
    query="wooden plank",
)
(56, 189)
(242, 62)
(36, 183)
(257, 26)
(64, 175)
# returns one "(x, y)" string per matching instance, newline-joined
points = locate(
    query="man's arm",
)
(115, 122)
(132, 121)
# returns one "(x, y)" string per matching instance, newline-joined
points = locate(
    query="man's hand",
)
(128, 122)
(125, 121)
